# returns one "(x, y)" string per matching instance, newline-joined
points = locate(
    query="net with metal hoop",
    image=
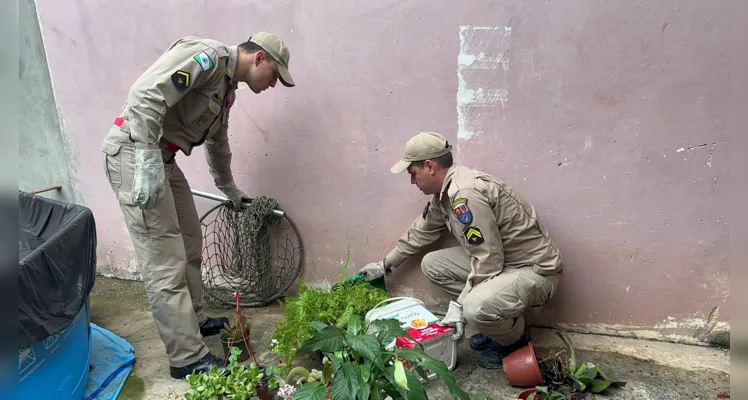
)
(252, 251)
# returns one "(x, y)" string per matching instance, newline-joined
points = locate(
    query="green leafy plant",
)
(241, 384)
(586, 376)
(543, 393)
(335, 308)
(361, 365)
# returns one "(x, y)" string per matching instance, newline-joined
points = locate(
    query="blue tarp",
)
(112, 360)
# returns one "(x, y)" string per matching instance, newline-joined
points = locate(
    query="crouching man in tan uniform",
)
(181, 101)
(506, 260)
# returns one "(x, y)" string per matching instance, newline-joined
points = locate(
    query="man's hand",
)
(149, 185)
(454, 319)
(373, 270)
(234, 194)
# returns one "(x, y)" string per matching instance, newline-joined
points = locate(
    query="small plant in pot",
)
(236, 334)
(540, 393)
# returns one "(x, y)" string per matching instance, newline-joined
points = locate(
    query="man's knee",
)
(430, 267)
(490, 305)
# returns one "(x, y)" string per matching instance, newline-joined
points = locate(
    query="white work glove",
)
(234, 194)
(373, 270)
(454, 319)
(149, 185)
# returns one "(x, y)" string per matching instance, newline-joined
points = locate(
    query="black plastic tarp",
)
(57, 265)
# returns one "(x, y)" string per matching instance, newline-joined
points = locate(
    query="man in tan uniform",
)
(506, 260)
(182, 101)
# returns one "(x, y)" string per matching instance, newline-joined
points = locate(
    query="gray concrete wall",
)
(42, 147)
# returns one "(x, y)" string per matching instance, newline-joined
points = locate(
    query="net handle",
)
(211, 196)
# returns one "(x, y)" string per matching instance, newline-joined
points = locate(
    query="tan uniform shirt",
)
(184, 98)
(492, 222)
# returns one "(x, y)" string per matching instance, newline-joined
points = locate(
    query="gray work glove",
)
(373, 270)
(149, 185)
(234, 194)
(454, 319)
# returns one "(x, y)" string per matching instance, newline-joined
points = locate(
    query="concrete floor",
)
(653, 370)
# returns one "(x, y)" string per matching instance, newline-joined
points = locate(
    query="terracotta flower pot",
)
(527, 394)
(521, 368)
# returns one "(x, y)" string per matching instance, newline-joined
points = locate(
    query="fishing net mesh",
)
(251, 251)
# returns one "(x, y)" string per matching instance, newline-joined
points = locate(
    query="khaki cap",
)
(423, 146)
(277, 49)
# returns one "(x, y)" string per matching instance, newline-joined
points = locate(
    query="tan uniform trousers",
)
(168, 245)
(495, 306)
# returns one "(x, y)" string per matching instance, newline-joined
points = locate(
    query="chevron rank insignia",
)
(474, 236)
(181, 80)
(462, 211)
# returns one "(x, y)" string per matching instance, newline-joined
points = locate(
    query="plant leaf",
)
(318, 326)
(376, 391)
(580, 385)
(573, 356)
(442, 372)
(598, 385)
(326, 372)
(542, 389)
(328, 340)
(345, 383)
(412, 356)
(368, 347)
(415, 389)
(386, 330)
(310, 391)
(589, 374)
(400, 379)
(355, 325)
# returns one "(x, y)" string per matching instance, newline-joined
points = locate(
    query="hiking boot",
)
(203, 365)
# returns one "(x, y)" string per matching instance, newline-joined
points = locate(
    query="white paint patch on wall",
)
(484, 51)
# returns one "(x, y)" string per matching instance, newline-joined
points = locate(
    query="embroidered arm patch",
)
(474, 236)
(181, 80)
(204, 60)
(462, 211)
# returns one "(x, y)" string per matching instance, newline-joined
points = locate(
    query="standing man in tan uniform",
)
(182, 101)
(506, 260)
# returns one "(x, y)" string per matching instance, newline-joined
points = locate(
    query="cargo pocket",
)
(112, 163)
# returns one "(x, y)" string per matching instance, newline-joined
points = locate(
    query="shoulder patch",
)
(474, 236)
(181, 80)
(462, 211)
(204, 60)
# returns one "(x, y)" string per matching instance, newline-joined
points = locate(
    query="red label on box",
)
(421, 324)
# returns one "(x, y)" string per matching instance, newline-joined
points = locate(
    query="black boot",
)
(490, 354)
(212, 326)
(204, 365)
(487, 351)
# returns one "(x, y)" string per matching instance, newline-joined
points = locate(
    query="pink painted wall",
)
(608, 116)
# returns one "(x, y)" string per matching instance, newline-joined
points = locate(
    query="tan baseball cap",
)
(277, 49)
(423, 146)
